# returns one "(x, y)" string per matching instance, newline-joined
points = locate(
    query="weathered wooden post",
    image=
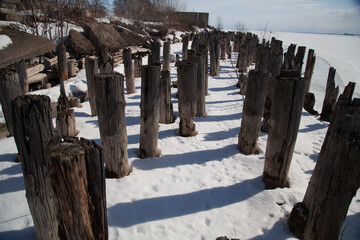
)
(309, 103)
(254, 105)
(185, 45)
(214, 56)
(32, 130)
(150, 108)
(276, 62)
(331, 95)
(22, 75)
(91, 68)
(77, 176)
(299, 59)
(203, 49)
(199, 59)
(129, 71)
(71, 68)
(9, 89)
(110, 103)
(187, 73)
(166, 56)
(223, 48)
(62, 62)
(309, 69)
(335, 179)
(289, 58)
(66, 124)
(137, 66)
(288, 99)
(166, 108)
(155, 53)
(106, 62)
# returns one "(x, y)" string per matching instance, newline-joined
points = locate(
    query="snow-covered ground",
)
(201, 187)
(4, 41)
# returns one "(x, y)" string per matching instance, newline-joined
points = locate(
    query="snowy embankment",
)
(201, 187)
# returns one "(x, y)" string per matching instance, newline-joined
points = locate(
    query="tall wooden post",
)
(137, 66)
(185, 45)
(110, 103)
(91, 68)
(106, 62)
(299, 59)
(254, 105)
(203, 49)
(32, 130)
(309, 69)
(214, 56)
(22, 74)
(166, 108)
(288, 99)
(331, 95)
(9, 89)
(166, 56)
(77, 176)
(150, 108)
(155, 53)
(129, 71)
(187, 73)
(223, 48)
(335, 179)
(289, 58)
(199, 59)
(62, 62)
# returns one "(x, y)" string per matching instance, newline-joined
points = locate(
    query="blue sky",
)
(316, 16)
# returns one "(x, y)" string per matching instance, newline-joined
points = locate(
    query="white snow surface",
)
(5, 41)
(201, 187)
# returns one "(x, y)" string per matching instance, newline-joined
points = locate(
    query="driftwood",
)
(129, 71)
(336, 175)
(10, 88)
(150, 107)
(110, 103)
(187, 73)
(331, 95)
(32, 130)
(166, 108)
(288, 99)
(91, 68)
(76, 173)
(254, 105)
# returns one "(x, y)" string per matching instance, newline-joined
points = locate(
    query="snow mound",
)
(5, 41)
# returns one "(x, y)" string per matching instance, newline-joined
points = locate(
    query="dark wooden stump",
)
(331, 95)
(187, 73)
(166, 56)
(214, 56)
(22, 74)
(155, 53)
(166, 108)
(336, 175)
(289, 58)
(199, 60)
(66, 124)
(106, 62)
(91, 68)
(10, 88)
(309, 103)
(309, 69)
(242, 82)
(254, 105)
(76, 173)
(137, 66)
(150, 108)
(185, 45)
(129, 71)
(110, 103)
(62, 62)
(32, 130)
(203, 49)
(299, 59)
(286, 110)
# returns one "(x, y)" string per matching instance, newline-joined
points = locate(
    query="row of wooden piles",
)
(274, 90)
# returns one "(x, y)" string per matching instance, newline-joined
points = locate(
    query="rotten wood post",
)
(91, 68)
(129, 71)
(223, 48)
(331, 95)
(289, 58)
(106, 62)
(276, 62)
(187, 73)
(199, 59)
(299, 59)
(155, 53)
(150, 108)
(10, 88)
(166, 56)
(137, 66)
(32, 130)
(71, 68)
(22, 74)
(166, 108)
(62, 62)
(77, 177)
(110, 103)
(203, 49)
(286, 110)
(66, 124)
(335, 179)
(254, 105)
(185, 45)
(309, 69)
(214, 56)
